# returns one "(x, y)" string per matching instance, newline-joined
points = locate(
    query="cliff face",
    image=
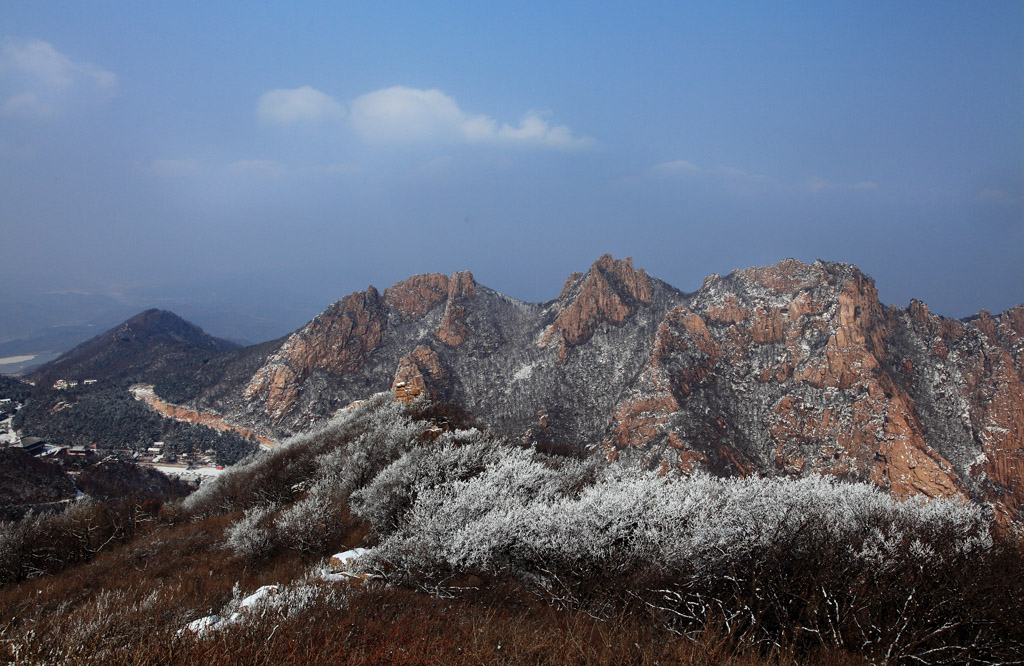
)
(611, 291)
(337, 341)
(966, 382)
(342, 339)
(794, 368)
(781, 370)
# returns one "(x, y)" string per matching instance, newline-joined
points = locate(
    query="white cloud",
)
(743, 181)
(1000, 197)
(406, 114)
(27, 104)
(258, 167)
(824, 185)
(306, 104)
(174, 167)
(400, 115)
(675, 168)
(40, 81)
(724, 174)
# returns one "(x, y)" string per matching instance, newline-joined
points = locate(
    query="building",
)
(32, 445)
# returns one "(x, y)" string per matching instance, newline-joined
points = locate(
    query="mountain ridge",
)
(789, 369)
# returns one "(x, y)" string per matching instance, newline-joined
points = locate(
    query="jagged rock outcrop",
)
(611, 291)
(781, 368)
(414, 297)
(422, 370)
(966, 382)
(453, 330)
(337, 341)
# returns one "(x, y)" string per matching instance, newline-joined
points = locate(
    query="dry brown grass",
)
(127, 605)
(403, 627)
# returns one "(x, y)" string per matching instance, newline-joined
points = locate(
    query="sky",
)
(294, 153)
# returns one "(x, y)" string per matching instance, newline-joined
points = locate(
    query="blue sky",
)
(304, 151)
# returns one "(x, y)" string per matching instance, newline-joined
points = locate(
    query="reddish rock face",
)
(340, 339)
(453, 330)
(337, 341)
(983, 368)
(610, 292)
(423, 371)
(801, 349)
(414, 297)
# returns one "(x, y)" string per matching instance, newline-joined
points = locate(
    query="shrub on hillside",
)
(303, 487)
(777, 561)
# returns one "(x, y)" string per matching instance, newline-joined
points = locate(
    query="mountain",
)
(780, 370)
(151, 341)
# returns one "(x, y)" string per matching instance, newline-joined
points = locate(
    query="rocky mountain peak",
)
(611, 291)
(414, 297)
(789, 369)
(337, 341)
(453, 330)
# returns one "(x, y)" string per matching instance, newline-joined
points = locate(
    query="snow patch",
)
(202, 625)
(524, 372)
(258, 596)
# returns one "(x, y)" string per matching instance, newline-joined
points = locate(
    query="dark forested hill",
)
(151, 342)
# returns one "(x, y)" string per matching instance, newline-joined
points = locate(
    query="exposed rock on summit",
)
(422, 370)
(453, 330)
(342, 338)
(336, 341)
(610, 292)
(414, 297)
(782, 368)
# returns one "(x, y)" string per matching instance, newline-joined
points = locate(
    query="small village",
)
(188, 465)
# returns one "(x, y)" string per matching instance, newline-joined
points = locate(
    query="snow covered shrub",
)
(296, 495)
(304, 594)
(307, 525)
(455, 455)
(279, 601)
(389, 433)
(812, 559)
(348, 449)
(251, 536)
(495, 509)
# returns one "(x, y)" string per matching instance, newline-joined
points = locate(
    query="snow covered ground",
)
(7, 434)
(279, 600)
(194, 474)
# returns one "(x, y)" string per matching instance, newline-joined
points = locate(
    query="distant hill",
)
(153, 341)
